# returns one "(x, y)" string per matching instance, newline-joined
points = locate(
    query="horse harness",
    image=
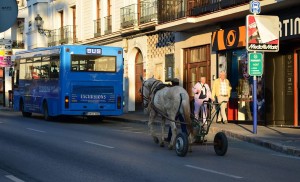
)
(155, 87)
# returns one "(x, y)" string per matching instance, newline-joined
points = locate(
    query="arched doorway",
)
(139, 71)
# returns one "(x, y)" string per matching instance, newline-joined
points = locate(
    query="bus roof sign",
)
(93, 51)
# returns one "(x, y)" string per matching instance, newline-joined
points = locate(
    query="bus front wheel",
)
(22, 107)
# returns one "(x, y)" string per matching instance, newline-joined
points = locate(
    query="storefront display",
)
(232, 57)
(235, 63)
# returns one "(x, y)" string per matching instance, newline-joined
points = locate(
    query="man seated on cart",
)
(202, 93)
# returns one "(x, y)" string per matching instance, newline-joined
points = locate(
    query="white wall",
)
(134, 45)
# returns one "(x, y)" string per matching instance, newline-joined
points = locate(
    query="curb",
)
(6, 109)
(261, 142)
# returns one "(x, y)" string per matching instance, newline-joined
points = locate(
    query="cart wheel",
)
(181, 144)
(220, 144)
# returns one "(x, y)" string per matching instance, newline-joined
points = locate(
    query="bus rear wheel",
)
(22, 107)
(46, 112)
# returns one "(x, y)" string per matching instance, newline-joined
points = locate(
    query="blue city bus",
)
(74, 80)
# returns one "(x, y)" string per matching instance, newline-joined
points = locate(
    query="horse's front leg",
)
(162, 138)
(191, 139)
(174, 133)
(150, 125)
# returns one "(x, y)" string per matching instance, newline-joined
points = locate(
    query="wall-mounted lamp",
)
(39, 24)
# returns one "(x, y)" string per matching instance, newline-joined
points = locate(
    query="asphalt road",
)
(32, 149)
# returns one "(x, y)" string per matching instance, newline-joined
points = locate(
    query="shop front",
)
(232, 57)
(278, 87)
(282, 73)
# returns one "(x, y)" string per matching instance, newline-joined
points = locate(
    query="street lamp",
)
(39, 24)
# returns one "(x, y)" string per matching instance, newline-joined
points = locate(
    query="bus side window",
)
(44, 72)
(54, 69)
(54, 72)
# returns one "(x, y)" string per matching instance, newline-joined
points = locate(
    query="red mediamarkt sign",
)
(262, 33)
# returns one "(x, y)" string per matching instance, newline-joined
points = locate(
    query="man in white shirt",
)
(221, 89)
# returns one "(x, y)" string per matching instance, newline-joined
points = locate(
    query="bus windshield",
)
(93, 63)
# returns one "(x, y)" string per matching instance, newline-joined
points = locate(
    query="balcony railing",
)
(97, 28)
(170, 10)
(148, 11)
(18, 44)
(203, 7)
(129, 16)
(67, 35)
(53, 39)
(63, 35)
(108, 25)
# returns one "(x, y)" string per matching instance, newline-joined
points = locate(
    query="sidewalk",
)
(284, 140)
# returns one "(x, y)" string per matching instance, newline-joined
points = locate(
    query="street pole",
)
(254, 69)
(254, 105)
(254, 95)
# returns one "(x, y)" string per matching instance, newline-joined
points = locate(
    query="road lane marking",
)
(31, 129)
(286, 156)
(98, 144)
(128, 131)
(127, 127)
(13, 178)
(215, 172)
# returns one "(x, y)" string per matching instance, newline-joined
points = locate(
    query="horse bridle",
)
(151, 90)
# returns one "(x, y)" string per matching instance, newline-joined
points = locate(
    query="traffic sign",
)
(255, 7)
(255, 64)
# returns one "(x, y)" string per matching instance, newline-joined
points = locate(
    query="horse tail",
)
(186, 111)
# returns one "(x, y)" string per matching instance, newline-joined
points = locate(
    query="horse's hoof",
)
(156, 140)
(170, 147)
(162, 144)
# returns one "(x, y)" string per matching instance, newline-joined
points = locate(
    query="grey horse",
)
(168, 102)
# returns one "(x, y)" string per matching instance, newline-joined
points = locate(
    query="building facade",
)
(183, 39)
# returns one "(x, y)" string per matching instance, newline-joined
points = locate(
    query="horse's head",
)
(146, 90)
